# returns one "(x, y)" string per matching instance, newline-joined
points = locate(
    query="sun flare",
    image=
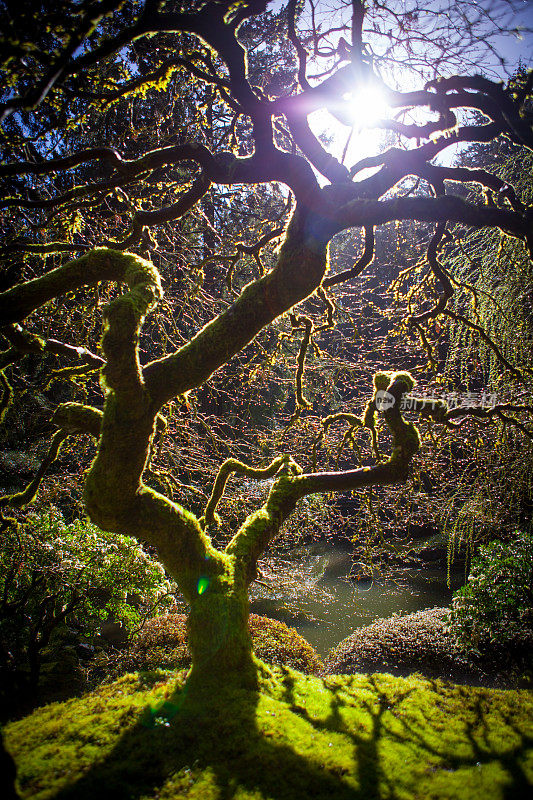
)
(367, 106)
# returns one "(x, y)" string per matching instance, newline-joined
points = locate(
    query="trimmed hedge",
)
(162, 644)
(422, 643)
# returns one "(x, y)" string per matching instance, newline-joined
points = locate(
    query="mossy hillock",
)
(422, 642)
(296, 737)
(163, 644)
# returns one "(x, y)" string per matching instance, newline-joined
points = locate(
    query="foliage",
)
(475, 480)
(496, 604)
(488, 331)
(493, 492)
(348, 737)
(162, 644)
(423, 643)
(53, 573)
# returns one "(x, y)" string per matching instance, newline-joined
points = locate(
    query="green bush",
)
(277, 643)
(162, 644)
(496, 604)
(54, 575)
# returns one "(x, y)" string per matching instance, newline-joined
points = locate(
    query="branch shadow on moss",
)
(222, 741)
(218, 735)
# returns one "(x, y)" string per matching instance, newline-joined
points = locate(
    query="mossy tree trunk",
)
(214, 582)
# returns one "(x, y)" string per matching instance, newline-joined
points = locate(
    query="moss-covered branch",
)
(354, 423)
(301, 265)
(301, 321)
(70, 418)
(23, 498)
(115, 496)
(97, 266)
(230, 466)
(261, 527)
(78, 418)
(440, 273)
(23, 342)
(6, 395)
(123, 318)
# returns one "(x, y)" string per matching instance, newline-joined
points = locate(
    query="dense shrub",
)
(162, 644)
(496, 604)
(54, 575)
(400, 644)
(277, 643)
(422, 643)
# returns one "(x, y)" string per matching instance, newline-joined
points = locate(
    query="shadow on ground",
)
(341, 737)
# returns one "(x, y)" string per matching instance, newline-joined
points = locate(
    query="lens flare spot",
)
(368, 105)
(203, 583)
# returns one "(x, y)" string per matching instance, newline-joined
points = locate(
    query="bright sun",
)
(367, 106)
(355, 137)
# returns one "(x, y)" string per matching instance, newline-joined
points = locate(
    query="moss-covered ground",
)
(297, 737)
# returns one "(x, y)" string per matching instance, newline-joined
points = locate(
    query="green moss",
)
(408, 438)
(344, 737)
(6, 396)
(100, 264)
(369, 415)
(382, 380)
(405, 377)
(76, 417)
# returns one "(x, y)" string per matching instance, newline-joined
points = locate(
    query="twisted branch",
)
(228, 468)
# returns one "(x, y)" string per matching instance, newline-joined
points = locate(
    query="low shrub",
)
(422, 643)
(277, 643)
(59, 579)
(162, 644)
(496, 604)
